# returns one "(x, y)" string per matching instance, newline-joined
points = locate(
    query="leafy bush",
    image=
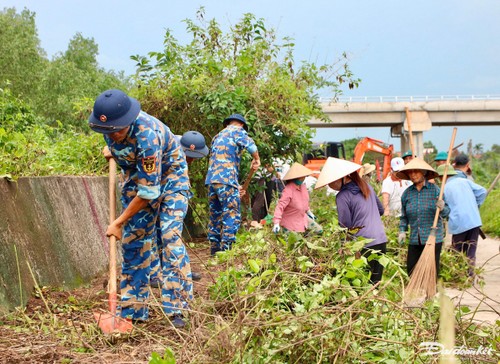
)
(291, 299)
(29, 147)
(490, 214)
(453, 269)
(245, 70)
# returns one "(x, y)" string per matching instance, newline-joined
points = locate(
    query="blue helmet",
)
(193, 144)
(237, 117)
(113, 111)
(441, 156)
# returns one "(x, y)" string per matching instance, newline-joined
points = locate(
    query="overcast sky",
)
(397, 48)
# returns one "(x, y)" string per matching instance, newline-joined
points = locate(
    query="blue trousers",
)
(225, 217)
(139, 249)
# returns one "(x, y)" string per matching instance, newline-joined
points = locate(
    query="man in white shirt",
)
(393, 188)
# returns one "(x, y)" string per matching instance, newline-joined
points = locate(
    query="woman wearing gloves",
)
(357, 207)
(292, 210)
(418, 208)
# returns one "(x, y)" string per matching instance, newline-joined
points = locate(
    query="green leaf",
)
(267, 272)
(383, 260)
(254, 266)
(358, 263)
(312, 246)
(465, 309)
(350, 274)
(482, 333)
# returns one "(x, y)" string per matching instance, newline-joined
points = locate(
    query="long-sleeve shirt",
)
(290, 211)
(225, 155)
(418, 209)
(151, 160)
(356, 211)
(464, 197)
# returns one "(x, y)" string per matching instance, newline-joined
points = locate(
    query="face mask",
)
(298, 182)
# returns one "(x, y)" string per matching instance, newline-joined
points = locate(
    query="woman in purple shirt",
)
(358, 208)
(293, 206)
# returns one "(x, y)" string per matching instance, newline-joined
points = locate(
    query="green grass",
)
(490, 214)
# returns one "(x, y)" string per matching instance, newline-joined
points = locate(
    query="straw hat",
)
(419, 164)
(335, 169)
(450, 172)
(367, 168)
(297, 170)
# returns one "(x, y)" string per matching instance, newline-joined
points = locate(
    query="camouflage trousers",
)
(225, 217)
(158, 223)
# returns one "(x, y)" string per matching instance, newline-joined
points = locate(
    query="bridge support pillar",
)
(418, 143)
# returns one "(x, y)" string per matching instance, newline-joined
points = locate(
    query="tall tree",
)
(72, 76)
(22, 60)
(51, 88)
(246, 70)
(478, 149)
(82, 52)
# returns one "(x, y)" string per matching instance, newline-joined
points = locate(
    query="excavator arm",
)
(377, 146)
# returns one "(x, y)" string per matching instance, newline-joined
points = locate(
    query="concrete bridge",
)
(425, 112)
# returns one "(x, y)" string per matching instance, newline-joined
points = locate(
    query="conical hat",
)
(335, 169)
(297, 170)
(420, 164)
(449, 172)
(367, 168)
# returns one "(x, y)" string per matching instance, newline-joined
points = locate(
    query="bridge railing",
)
(424, 98)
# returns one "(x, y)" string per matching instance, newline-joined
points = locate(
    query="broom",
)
(423, 278)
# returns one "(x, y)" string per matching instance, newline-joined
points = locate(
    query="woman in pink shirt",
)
(292, 209)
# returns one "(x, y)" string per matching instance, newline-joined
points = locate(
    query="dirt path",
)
(484, 301)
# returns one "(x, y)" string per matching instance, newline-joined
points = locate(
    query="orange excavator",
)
(315, 159)
(373, 145)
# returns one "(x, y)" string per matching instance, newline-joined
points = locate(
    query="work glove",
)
(440, 205)
(401, 237)
(310, 214)
(276, 228)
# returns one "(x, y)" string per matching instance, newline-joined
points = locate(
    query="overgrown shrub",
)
(295, 299)
(490, 214)
(30, 147)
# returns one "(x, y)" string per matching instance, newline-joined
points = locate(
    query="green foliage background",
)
(50, 87)
(245, 70)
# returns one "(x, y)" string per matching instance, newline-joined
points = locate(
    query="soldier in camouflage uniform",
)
(222, 181)
(155, 193)
(194, 147)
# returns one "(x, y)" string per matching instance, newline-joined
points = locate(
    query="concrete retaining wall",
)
(57, 226)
